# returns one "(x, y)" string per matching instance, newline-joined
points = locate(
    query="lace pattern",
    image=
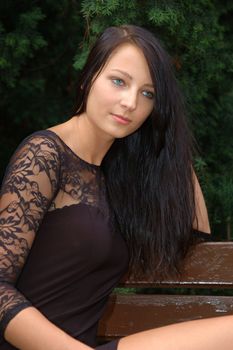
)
(44, 174)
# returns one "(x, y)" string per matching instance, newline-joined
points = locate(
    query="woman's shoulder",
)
(39, 145)
(52, 138)
(40, 140)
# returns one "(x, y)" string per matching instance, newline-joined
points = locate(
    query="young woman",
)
(110, 189)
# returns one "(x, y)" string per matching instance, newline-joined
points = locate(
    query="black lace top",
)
(57, 249)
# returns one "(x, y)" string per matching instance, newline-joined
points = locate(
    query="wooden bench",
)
(208, 269)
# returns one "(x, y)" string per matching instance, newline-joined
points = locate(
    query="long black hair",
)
(149, 174)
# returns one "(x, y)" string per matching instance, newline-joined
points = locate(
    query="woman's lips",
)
(120, 119)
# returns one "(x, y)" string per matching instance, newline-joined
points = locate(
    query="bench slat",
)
(210, 266)
(127, 314)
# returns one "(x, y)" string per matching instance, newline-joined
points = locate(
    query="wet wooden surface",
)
(210, 266)
(134, 313)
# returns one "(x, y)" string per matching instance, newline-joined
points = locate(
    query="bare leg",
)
(207, 334)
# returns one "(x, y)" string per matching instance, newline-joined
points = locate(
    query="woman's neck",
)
(88, 142)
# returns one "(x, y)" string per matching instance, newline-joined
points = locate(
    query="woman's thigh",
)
(207, 334)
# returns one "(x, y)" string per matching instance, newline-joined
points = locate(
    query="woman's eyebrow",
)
(130, 77)
(123, 72)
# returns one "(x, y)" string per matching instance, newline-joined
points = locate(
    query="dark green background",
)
(43, 44)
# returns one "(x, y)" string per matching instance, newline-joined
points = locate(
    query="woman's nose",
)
(129, 100)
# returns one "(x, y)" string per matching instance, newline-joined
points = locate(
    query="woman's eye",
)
(118, 82)
(148, 94)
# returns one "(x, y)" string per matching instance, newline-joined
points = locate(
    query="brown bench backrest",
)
(210, 266)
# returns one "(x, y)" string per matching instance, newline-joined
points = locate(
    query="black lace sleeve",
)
(202, 236)
(28, 187)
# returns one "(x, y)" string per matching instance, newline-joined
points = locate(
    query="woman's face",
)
(121, 97)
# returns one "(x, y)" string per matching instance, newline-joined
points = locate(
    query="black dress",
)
(58, 249)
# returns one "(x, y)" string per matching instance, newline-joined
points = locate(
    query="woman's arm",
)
(201, 221)
(29, 185)
(206, 334)
(30, 330)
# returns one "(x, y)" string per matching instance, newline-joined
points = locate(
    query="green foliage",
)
(43, 46)
(99, 8)
(19, 44)
(37, 45)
